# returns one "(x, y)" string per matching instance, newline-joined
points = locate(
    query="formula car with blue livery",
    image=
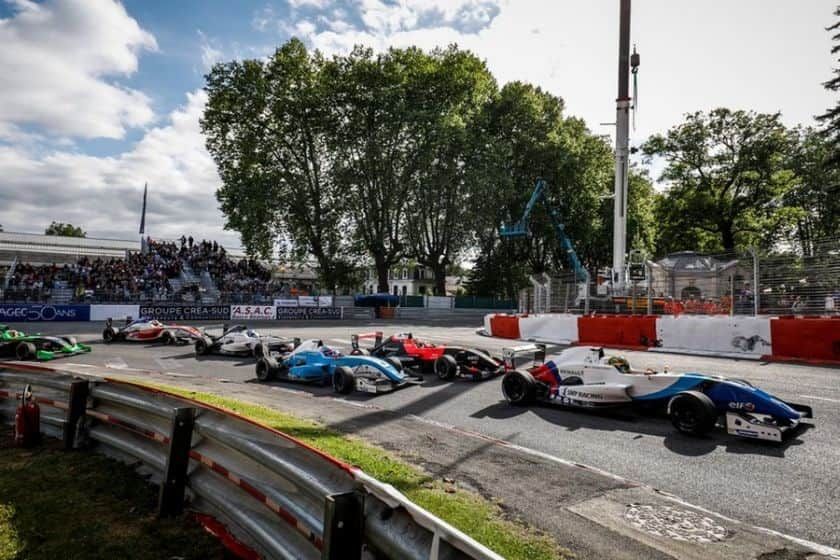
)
(314, 362)
(584, 377)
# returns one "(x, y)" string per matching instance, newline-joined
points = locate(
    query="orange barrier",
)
(504, 326)
(618, 331)
(806, 339)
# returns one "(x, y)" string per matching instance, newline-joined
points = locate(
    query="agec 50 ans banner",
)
(30, 312)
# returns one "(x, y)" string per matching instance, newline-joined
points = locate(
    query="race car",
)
(312, 361)
(584, 377)
(239, 340)
(447, 362)
(145, 329)
(14, 343)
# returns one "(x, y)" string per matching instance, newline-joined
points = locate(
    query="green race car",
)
(15, 344)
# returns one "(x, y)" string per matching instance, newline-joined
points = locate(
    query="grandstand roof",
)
(37, 248)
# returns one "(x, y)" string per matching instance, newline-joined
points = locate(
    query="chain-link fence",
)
(780, 282)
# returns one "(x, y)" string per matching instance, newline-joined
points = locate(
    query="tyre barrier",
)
(262, 492)
(803, 339)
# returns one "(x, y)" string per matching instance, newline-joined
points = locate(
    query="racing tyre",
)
(257, 350)
(692, 413)
(25, 351)
(519, 388)
(264, 371)
(343, 380)
(394, 362)
(446, 367)
(108, 335)
(200, 347)
(167, 338)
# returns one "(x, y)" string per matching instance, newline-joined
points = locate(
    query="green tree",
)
(728, 176)
(267, 125)
(66, 230)
(439, 223)
(831, 118)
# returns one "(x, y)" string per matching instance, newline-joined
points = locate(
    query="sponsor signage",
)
(11, 312)
(308, 301)
(286, 302)
(186, 312)
(258, 312)
(305, 313)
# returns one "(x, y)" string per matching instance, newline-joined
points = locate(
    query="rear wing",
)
(509, 354)
(354, 339)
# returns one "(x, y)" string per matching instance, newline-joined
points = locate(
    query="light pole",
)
(622, 121)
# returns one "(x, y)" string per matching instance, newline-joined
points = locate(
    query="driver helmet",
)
(330, 352)
(620, 363)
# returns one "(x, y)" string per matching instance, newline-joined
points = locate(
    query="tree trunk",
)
(382, 275)
(727, 237)
(440, 280)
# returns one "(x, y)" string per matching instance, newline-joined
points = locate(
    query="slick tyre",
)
(264, 371)
(25, 351)
(519, 388)
(167, 338)
(257, 350)
(692, 413)
(446, 367)
(343, 380)
(200, 347)
(108, 335)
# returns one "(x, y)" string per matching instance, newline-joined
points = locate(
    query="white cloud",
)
(102, 194)
(210, 53)
(311, 3)
(58, 61)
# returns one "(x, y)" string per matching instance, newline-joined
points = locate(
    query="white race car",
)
(584, 377)
(239, 340)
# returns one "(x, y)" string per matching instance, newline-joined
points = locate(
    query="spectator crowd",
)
(146, 276)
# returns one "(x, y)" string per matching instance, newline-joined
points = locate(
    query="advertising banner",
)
(325, 301)
(306, 313)
(308, 301)
(30, 312)
(253, 312)
(286, 302)
(186, 312)
(116, 312)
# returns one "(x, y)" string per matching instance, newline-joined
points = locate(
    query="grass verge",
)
(476, 516)
(58, 504)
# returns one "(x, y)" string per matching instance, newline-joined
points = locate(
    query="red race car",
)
(149, 330)
(447, 362)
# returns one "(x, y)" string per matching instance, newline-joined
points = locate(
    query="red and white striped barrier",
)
(804, 339)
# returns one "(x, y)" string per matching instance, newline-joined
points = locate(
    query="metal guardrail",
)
(275, 494)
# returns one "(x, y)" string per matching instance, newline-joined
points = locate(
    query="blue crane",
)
(520, 228)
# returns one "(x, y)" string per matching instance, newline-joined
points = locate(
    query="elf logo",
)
(748, 406)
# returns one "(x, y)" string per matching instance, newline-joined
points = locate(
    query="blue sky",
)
(99, 97)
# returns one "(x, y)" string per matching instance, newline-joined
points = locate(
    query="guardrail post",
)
(171, 499)
(343, 526)
(76, 406)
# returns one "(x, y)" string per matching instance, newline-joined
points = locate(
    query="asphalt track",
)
(793, 488)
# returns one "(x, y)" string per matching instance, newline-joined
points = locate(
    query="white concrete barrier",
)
(736, 337)
(556, 328)
(102, 312)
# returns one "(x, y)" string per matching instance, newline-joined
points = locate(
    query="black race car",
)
(447, 362)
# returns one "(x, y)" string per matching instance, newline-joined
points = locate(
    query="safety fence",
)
(263, 492)
(792, 281)
(785, 338)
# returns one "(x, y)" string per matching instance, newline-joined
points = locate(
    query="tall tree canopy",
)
(831, 118)
(66, 230)
(727, 173)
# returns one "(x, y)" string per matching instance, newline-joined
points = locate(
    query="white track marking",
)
(820, 398)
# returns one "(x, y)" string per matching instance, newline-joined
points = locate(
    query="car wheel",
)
(257, 350)
(519, 388)
(692, 413)
(200, 347)
(343, 380)
(25, 351)
(108, 335)
(167, 338)
(264, 371)
(395, 362)
(446, 367)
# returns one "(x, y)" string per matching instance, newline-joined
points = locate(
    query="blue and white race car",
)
(585, 377)
(312, 361)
